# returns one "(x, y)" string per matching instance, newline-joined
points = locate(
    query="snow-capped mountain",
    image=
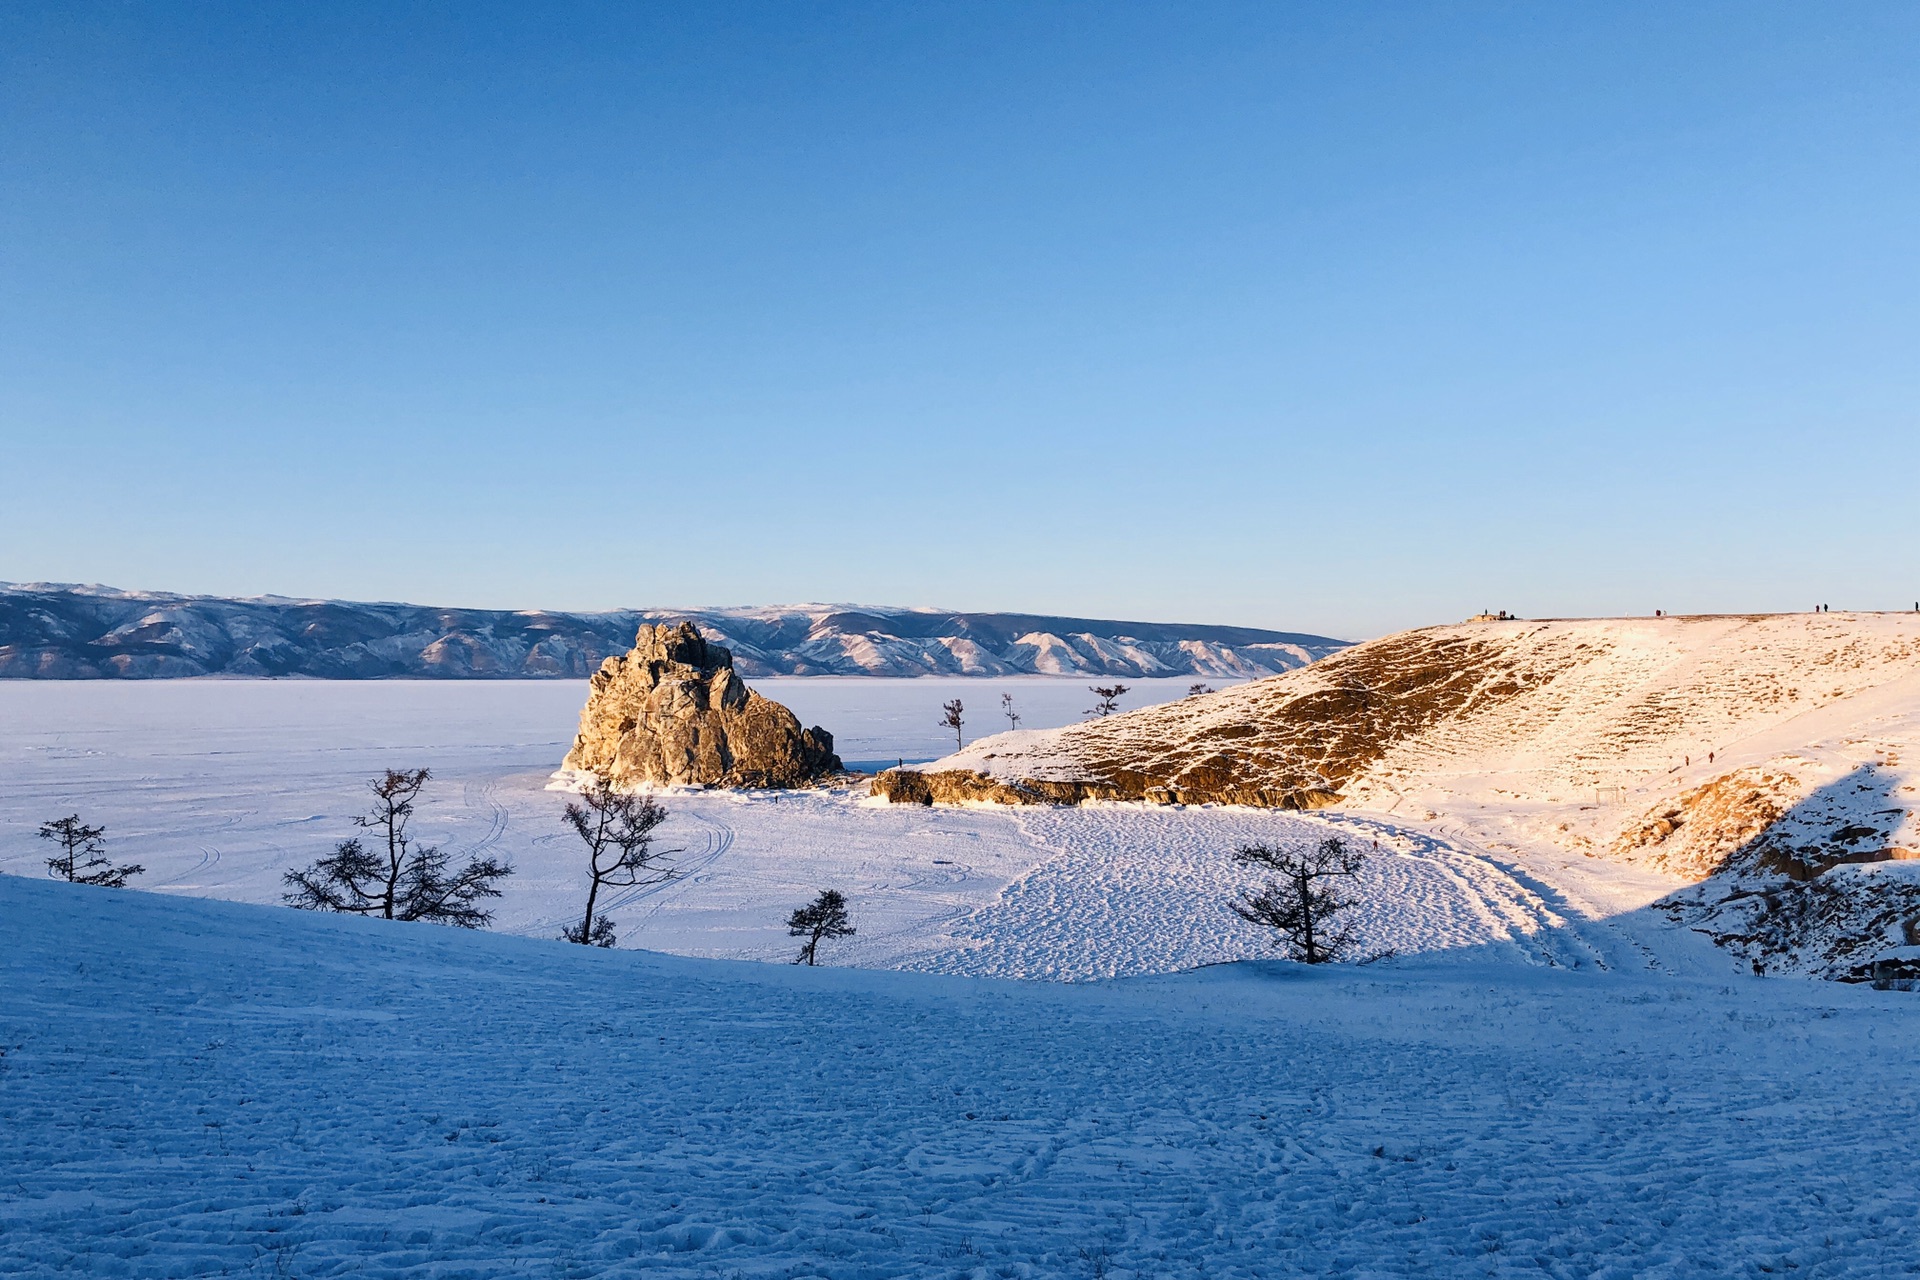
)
(60, 631)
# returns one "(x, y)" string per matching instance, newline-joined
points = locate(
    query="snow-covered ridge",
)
(1778, 751)
(1605, 713)
(62, 631)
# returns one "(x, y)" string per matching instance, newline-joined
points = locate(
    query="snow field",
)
(195, 1088)
(1135, 889)
(218, 787)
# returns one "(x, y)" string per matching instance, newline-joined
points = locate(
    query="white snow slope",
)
(194, 1088)
(1667, 748)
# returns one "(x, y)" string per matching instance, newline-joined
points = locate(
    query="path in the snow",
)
(194, 1089)
(1132, 889)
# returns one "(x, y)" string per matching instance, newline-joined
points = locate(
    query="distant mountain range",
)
(58, 631)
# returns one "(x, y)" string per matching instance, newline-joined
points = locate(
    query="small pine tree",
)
(1197, 690)
(951, 720)
(1107, 699)
(824, 917)
(403, 881)
(1300, 905)
(82, 858)
(600, 935)
(1006, 709)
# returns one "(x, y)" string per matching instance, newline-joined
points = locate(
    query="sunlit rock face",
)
(673, 711)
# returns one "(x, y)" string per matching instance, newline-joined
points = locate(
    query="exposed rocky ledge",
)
(673, 711)
(967, 786)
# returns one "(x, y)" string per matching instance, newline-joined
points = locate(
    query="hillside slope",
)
(54, 631)
(194, 1088)
(1775, 747)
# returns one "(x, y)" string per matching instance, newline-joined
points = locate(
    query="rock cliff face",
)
(674, 711)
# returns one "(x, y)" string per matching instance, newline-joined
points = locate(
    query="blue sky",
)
(1332, 318)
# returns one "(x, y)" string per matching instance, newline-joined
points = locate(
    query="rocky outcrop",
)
(969, 786)
(674, 711)
(1701, 830)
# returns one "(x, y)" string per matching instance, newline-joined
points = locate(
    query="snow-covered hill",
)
(193, 1088)
(1778, 752)
(58, 631)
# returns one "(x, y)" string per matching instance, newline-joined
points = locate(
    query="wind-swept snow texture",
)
(57, 631)
(1780, 751)
(194, 1089)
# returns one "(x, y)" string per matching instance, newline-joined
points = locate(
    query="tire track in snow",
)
(717, 838)
(927, 934)
(209, 858)
(1540, 918)
(481, 793)
(1530, 921)
(1580, 922)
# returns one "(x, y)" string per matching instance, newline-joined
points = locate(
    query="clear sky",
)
(1338, 318)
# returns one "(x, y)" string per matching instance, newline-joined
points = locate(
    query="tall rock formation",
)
(674, 711)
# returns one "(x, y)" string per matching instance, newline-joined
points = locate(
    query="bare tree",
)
(618, 830)
(1108, 699)
(403, 881)
(1006, 709)
(1196, 690)
(824, 917)
(1299, 905)
(82, 857)
(951, 720)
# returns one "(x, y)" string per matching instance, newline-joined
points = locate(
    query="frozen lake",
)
(218, 787)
